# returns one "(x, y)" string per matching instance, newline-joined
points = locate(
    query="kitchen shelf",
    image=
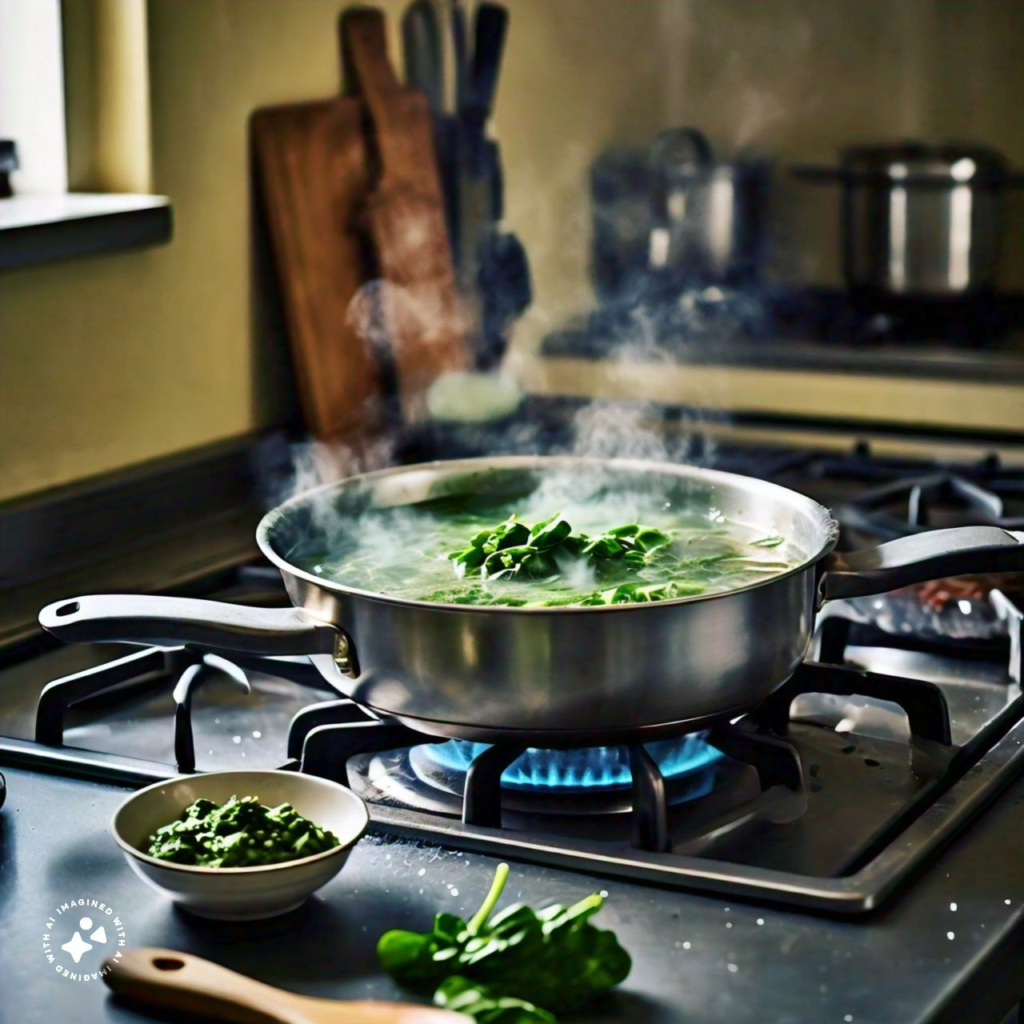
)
(966, 402)
(38, 229)
(998, 362)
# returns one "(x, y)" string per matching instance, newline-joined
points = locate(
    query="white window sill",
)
(43, 228)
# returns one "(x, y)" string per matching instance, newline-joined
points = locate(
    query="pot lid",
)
(945, 163)
(684, 155)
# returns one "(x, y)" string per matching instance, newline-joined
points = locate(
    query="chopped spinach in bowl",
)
(241, 833)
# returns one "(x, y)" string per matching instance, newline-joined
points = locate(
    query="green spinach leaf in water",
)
(512, 549)
(554, 957)
(768, 542)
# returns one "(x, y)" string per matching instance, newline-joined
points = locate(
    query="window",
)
(92, 131)
(32, 93)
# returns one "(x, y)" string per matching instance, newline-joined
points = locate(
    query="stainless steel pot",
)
(921, 220)
(709, 215)
(555, 676)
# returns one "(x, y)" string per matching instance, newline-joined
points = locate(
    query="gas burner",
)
(915, 504)
(567, 771)
(430, 779)
(334, 744)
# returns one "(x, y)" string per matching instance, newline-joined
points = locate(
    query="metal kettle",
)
(709, 216)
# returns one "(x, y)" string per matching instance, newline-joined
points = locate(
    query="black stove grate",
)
(842, 627)
(189, 668)
(331, 735)
(913, 504)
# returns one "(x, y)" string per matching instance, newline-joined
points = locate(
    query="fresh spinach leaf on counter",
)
(554, 957)
(482, 1004)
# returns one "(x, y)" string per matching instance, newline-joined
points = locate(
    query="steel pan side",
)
(635, 667)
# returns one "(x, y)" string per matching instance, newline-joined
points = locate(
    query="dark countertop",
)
(695, 958)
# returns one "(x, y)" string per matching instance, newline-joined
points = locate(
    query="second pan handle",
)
(922, 557)
(173, 621)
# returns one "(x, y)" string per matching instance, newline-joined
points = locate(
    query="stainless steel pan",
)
(550, 675)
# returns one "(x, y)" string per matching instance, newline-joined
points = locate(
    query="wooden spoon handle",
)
(179, 981)
(165, 977)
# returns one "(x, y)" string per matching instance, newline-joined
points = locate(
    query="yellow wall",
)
(112, 360)
(116, 359)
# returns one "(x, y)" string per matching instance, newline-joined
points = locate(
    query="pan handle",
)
(922, 557)
(173, 621)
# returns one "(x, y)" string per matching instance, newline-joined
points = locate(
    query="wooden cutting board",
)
(313, 170)
(418, 302)
(352, 196)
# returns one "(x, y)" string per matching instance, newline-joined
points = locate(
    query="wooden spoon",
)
(179, 981)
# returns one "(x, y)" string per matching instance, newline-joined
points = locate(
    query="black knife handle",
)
(490, 29)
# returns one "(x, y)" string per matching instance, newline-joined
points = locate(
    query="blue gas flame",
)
(589, 768)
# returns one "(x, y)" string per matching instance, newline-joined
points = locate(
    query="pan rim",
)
(815, 510)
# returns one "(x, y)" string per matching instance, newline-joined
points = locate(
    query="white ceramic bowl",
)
(240, 894)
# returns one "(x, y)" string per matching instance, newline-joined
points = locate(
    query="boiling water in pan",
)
(403, 551)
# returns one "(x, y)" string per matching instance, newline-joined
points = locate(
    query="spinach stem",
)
(480, 917)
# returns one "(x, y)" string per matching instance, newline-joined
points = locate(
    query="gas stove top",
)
(826, 797)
